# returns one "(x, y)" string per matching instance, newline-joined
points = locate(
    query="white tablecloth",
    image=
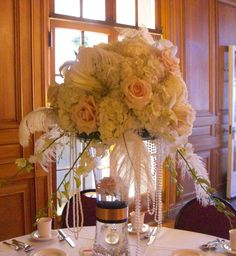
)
(167, 241)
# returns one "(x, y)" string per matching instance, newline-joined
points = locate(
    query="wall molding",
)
(230, 2)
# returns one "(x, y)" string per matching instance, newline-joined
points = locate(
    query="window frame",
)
(109, 26)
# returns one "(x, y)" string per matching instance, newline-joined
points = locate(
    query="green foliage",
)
(66, 190)
(59, 198)
(170, 166)
(77, 181)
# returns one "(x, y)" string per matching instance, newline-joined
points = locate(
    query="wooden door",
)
(22, 83)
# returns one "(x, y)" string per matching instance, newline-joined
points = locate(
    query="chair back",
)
(89, 209)
(208, 220)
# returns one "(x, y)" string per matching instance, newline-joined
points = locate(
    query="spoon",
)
(25, 246)
(16, 247)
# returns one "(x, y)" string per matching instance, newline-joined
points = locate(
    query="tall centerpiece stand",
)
(113, 96)
(112, 217)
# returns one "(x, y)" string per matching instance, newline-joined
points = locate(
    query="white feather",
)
(44, 155)
(40, 120)
(130, 161)
(198, 165)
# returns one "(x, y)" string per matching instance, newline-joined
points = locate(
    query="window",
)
(74, 23)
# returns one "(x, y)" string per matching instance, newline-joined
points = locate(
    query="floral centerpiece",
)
(115, 96)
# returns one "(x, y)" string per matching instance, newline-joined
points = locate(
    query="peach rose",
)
(170, 62)
(138, 93)
(84, 115)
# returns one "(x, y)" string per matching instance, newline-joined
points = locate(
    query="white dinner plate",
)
(187, 252)
(49, 252)
(144, 229)
(227, 247)
(35, 236)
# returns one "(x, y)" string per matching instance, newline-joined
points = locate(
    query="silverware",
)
(147, 235)
(212, 245)
(25, 246)
(15, 246)
(67, 238)
(60, 238)
(152, 236)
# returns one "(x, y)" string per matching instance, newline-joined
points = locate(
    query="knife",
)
(67, 238)
(152, 236)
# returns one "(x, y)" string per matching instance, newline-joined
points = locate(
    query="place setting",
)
(43, 233)
(222, 245)
(132, 226)
(147, 232)
(216, 246)
(230, 246)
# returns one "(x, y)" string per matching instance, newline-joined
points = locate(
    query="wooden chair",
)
(88, 200)
(208, 220)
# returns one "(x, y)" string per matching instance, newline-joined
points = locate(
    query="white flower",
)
(185, 116)
(113, 118)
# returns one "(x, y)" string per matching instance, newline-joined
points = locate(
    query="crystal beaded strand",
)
(76, 199)
(152, 150)
(155, 148)
(79, 207)
(159, 176)
(68, 203)
(137, 213)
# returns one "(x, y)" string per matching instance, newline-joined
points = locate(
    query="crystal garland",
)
(76, 198)
(156, 150)
(137, 215)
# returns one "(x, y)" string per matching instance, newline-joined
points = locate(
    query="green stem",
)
(72, 167)
(54, 194)
(51, 143)
(191, 171)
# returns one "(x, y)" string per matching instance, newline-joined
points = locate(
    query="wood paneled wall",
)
(202, 29)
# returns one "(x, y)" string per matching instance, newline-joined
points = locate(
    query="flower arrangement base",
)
(111, 226)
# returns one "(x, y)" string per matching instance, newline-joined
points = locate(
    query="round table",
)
(168, 240)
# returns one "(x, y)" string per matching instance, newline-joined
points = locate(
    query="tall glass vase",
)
(111, 218)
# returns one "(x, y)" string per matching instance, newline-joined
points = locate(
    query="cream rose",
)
(138, 93)
(84, 115)
(185, 118)
(176, 90)
(169, 60)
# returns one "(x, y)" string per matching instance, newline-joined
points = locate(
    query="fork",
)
(25, 246)
(16, 247)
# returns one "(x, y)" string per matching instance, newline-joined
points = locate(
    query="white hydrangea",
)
(113, 118)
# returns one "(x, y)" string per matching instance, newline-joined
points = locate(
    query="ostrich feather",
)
(45, 154)
(130, 161)
(40, 120)
(198, 165)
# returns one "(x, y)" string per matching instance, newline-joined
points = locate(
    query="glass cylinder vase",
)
(111, 218)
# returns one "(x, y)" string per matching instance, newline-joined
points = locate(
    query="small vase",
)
(111, 218)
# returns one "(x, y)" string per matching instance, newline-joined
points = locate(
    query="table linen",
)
(168, 240)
